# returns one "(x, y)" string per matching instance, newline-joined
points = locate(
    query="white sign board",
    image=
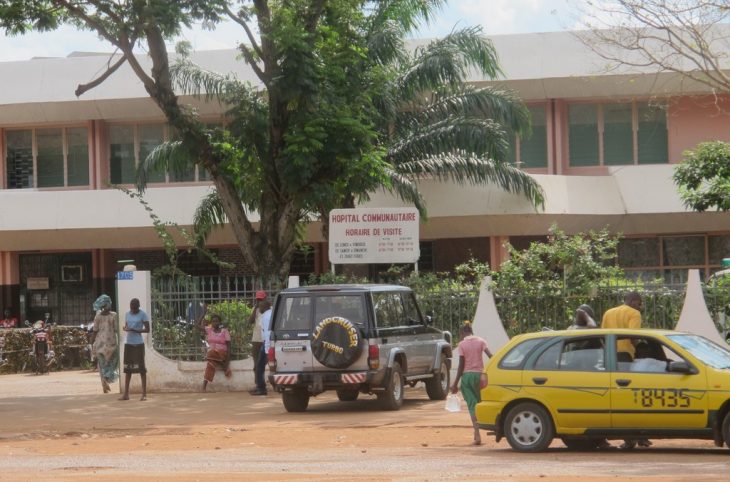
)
(374, 235)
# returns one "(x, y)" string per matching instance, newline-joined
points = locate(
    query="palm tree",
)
(428, 123)
(432, 123)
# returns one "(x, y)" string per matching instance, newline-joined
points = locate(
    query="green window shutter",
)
(653, 140)
(50, 157)
(533, 150)
(151, 136)
(121, 158)
(618, 135)
(583, 134)
(78, 156)
(19, 158)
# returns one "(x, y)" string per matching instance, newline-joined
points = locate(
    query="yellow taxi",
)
(586, 386)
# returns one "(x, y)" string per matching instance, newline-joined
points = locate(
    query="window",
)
(517, 355)
(615, 134)
(582, 354)
(649, 355)
(294, 314)
(129, 145)
(670, 257)
(411, 310)
(531, 152)
(57, 157)
(388, 310)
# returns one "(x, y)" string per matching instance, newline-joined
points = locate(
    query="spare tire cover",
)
(336, 342)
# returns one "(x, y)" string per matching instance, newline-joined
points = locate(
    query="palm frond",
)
(463, 169)
(409, 14)
(405, 188)
(447, 62)
(193, 80)
(386, 44)
(167, 157)
(500, 105)
(476, 136)
(208, 215)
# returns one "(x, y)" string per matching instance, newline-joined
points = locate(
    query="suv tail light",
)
(271, 355)
(373, 357)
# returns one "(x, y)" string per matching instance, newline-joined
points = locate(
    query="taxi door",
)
(570, 377)
(657, 399)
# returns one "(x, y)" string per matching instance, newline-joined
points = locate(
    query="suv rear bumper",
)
(320, 381)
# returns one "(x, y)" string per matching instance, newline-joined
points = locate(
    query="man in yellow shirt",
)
(627, 315)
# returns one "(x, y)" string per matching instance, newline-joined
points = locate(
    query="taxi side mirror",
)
(681, 367)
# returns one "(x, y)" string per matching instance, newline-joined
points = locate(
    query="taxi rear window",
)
(516, 357)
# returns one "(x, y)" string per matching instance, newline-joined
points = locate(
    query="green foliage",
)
(704, 177)
(69, 344)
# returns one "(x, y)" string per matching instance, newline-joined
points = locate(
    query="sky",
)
(495, 17)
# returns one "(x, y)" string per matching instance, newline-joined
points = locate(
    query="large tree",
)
(687, 37)
(341, 109)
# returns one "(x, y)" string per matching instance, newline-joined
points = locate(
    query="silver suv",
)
(355, 339)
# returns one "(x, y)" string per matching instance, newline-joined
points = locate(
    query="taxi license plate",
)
(293, 348)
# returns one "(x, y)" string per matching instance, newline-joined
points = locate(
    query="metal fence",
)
(175, 301)
(176, 338)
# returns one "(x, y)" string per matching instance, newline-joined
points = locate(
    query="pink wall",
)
(697, 119)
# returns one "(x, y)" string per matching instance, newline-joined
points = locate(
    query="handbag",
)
(483, 381)
(453, 403)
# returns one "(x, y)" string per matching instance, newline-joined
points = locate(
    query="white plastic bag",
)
(453, 403)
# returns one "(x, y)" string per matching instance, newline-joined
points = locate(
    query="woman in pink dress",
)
(219, 349)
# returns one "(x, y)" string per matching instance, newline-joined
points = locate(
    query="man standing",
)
(265, 308)
(136, 322)
(255, 319)
(627, 315)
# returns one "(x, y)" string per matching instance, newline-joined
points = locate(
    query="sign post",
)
(374, 235)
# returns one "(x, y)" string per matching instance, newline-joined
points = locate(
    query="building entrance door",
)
(58, 284)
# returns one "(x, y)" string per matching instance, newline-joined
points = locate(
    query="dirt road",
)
(60, 427)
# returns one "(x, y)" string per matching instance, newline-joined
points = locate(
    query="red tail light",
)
(271, 355)
(373, 357)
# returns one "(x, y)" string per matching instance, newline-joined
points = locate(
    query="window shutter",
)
(121, 158)
(533, 150)
(78, 156)
(19, 158)
(50, 157)
(583, 135)
(618, 136)
(653, 141)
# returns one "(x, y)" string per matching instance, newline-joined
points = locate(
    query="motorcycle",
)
(41, 350)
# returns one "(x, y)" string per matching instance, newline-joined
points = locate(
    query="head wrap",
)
(101, 301)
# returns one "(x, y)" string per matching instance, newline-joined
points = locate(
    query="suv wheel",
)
(528, 428)
(347, 394)
(392, 398)
(438, 386)
(295, 400)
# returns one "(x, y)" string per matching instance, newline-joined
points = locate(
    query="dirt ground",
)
(61, 427)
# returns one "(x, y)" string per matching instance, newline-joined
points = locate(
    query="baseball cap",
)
(261, 295)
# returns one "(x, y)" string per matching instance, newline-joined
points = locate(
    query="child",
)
(470, 372)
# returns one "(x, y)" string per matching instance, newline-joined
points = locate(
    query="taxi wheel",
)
(726, 429)
(528, 428)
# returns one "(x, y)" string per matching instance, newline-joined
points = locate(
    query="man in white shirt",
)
(262, 358)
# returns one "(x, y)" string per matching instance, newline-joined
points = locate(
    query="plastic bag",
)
(453, 403)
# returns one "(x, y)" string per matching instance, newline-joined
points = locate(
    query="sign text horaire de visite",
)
(373, 235)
